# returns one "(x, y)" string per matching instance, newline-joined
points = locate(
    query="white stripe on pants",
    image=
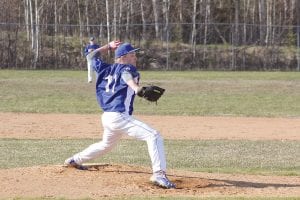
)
(115, 125)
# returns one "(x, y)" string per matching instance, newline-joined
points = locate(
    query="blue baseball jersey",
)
(94, 46)
(113, 94)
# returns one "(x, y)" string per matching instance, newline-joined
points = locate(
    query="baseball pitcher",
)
(116, 87)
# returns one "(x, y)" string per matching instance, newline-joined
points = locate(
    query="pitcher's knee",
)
(156, 136)
(107, 145)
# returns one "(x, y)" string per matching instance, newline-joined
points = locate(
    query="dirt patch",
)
(108, 181)
(121, 181)
(22, 125)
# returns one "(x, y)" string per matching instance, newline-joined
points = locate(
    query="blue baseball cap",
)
(124, 49)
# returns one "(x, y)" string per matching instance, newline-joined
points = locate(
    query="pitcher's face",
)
(130, 58)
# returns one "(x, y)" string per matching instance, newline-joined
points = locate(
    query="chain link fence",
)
(174, 47)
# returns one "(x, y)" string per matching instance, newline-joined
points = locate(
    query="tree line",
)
(196, 23)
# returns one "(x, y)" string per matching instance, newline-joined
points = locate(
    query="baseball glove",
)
(151, 93)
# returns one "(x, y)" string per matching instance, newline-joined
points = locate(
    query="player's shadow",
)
(96, 167)
(112, 168)
(248, 184)
(229, 183)
(188, 182)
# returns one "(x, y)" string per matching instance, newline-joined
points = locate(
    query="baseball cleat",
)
(160, 179)
(70, 162)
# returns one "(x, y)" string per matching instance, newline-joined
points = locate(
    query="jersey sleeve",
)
(100, 65)
(126, 76)
(129, 72)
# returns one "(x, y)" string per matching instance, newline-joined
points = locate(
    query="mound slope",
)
(104, 180)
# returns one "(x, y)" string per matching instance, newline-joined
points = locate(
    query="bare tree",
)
(107, 20)
(166, 9)
(262, 20)
(120, 18)
(31, 24)
(80, 23)
(143, 20)
(68, 16)
(156, 18)
(26, 17)
(180, 19)
(269, 21)
(298, 34)
(207, 19)
(55, 18)
(194, 31)
(206, 25)
(236, 21)
(115, 20)
(245, 17)
(128, 17)
(88, 30)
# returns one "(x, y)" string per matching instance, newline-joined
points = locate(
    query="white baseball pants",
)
(90, 72)
(115, 125)
(90, 62)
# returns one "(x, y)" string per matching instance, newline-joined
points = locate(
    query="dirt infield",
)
(123, 181)
(22, 125)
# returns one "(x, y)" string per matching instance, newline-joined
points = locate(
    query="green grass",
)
(226, 156)
(262, 94)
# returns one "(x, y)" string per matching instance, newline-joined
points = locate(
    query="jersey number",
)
(111, 83)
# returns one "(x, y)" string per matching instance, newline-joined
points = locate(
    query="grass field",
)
(260, 94)
(224, 156)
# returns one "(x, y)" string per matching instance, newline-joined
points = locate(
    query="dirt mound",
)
(104, 180)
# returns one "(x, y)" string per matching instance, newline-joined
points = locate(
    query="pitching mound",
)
(103, 180)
